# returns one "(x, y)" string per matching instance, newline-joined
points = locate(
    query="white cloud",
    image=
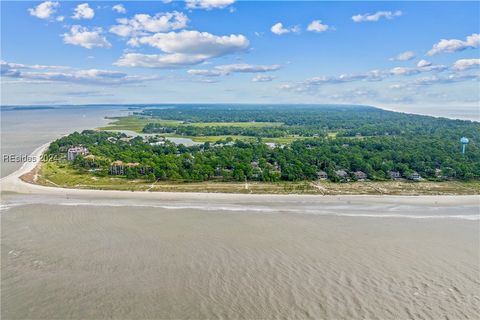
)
(182, 49)
(60, 18)
(44, 73)
(464, 64)
(446, 79)
(248, 68)
(227, 69)
(262, 78)
(370, 76)
(44, 10)
(317, 26)
(376, 16)
(11, 65)
(208, 4)
(404, 56)
(454, 45)
(205, 72)
(140, 24)
(423, 63)
(82, 36)
(83, 11)
(279, 29)
(161, 61)
(119, 8)
(403, 71)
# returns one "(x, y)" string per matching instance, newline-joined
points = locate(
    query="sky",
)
(395, 55)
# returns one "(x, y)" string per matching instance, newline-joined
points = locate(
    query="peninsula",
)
(312, 149)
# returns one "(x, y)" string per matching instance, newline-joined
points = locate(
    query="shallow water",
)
(142, 262)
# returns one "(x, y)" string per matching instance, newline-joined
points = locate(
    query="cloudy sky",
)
(396, 55)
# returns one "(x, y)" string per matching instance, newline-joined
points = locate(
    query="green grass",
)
(135, 123)
(61, 174)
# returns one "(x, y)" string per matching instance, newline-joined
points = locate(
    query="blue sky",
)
(397, 55)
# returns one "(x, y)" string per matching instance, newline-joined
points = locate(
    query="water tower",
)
(464, 141)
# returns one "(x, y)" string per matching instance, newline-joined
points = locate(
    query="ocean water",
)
(126, 262)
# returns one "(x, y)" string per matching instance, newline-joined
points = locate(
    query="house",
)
(272, 145)
(394, 175)
(157, 143)
(360, 175)
(112, 139)
(132, 164)
(342, 174)
(254, 165)
(117, 168)
(415, 176)
(322, 175)
(74, 152)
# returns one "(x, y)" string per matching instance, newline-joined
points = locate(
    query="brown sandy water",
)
(96, 262)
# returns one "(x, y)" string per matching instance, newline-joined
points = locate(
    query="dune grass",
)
(62, 174)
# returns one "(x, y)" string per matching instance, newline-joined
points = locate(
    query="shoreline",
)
(13, 183)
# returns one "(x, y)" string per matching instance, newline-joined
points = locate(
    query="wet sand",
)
(96, 262)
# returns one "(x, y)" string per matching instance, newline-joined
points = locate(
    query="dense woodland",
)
(365, 139)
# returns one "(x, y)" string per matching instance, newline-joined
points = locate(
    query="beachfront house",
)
(360, 175)
(415, 176)
(394, 175)
(343, 175)
(74, 152)
(117, 168)
(322, 175)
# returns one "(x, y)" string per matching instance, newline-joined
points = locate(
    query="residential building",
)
(74, 152)
(415, 176)
(394, 175)
(322, 175)
(360, 175)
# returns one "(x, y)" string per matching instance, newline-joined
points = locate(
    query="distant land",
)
(461, 113)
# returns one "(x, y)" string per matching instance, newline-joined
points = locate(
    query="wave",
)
(341, 211)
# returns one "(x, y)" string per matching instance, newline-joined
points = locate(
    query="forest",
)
(351, 139)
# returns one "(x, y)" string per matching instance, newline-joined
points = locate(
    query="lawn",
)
(136, 123)
(61, 174)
